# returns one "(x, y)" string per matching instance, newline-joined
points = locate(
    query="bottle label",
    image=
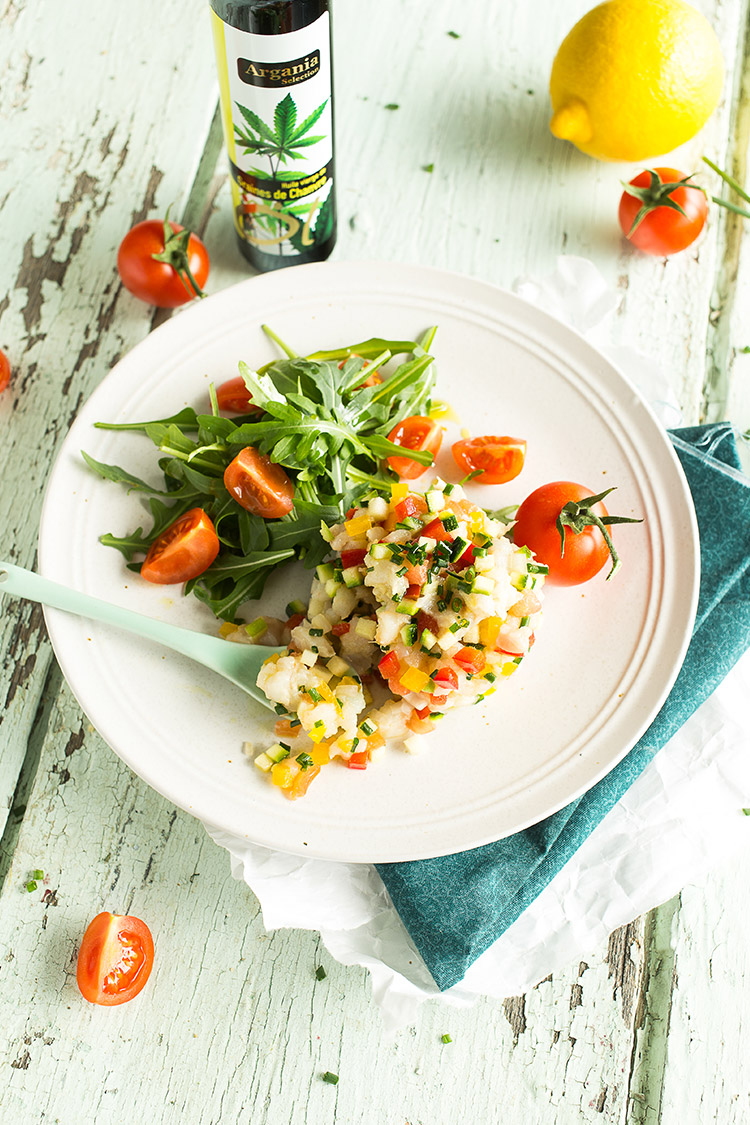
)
(278, 125)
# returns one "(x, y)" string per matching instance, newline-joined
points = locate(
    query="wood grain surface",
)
(108, 116)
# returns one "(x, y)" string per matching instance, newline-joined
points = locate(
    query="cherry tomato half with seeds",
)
(586, 551)
(418, 433)
(165, 283)
(258, 484)
(4, 371)
(500, 459)
(183, 551)
(661, 212)
(115, 959)
(234, 397)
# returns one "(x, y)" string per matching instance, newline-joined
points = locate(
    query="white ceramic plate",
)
(606, 655)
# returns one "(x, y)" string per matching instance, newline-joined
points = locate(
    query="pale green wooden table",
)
(108, 116)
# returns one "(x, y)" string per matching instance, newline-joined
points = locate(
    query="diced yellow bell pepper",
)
(284, 773)
(414, 679)
(508, 668)
(226, 629)
(489, 631)
(357, 526)
(321, 754)
(399, 492)
(318, 732)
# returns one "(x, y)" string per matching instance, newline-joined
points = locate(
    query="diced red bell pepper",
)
(358, 760)
(350, 513)
(438, 700)
(389, 666)
(295, 620)
(411, 505)
(472, 660)
(413, 591)
(340, 628)
(436, 530)
(352, 558)
(446, 676)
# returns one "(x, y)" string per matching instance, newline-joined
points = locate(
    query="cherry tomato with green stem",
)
(661, 212)
(162, 263)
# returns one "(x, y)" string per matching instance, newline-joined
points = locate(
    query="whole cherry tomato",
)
(258, 484)
(661, 212)
(162, 263)
(183, 551)
(567, 529)
(4, 371)
(499, 459)
(418, 433)
(115, 959)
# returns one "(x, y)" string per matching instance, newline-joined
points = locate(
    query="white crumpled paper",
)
(682, 817)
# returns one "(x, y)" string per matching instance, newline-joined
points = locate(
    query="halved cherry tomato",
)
(499, 458)
(258, 484)
(472, 660)
(411, 505)
(169, 283)
(115, 959)
(418, 433)
(4, 371)
(234, 397)
(183, 551)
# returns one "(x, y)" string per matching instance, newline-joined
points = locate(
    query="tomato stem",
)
(176, 255)
(578, 515)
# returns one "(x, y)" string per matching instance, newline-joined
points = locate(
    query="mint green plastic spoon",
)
(236, 662)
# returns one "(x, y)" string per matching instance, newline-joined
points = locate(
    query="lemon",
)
(635, 78)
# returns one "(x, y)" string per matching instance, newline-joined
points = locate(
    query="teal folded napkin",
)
(455, 907)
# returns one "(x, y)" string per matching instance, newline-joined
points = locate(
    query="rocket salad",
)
(324, 423)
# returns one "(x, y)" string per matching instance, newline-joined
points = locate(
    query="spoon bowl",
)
(236, 662)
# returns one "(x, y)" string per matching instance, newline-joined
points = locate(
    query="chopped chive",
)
(305, 761)
(320, 973)
(524, 621)
(316, 632)
(280, 709)
(314, 695)
(31, 886)
(295, 723)
(446, 1039)
(332, 1079)
(37, 874)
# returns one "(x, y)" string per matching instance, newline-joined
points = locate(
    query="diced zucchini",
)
(338, 666)
(409, 634)
(352, 576)
(380, 551)
(459, 546)
(295, 607)
(263, 762)
(482, 584)
(325, 572)
(331, 587)
(276, 753)
(407, 607)
(427, 639)
(435, 500)
(520, 581)
(367, 728)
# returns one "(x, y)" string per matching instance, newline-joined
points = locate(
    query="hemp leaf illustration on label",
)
(282, 142)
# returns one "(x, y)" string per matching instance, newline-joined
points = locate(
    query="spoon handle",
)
(26, 584)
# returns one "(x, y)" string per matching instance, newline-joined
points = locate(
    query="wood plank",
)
(89, 159)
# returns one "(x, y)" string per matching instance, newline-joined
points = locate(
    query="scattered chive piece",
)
(37, 874)
(31, 886)
(389, 105)
(331, 1078)
(305, 761)
(280, 709)
(428, 167)
(446, 1039)
(746, 812)
(320, 973)
(454, 35)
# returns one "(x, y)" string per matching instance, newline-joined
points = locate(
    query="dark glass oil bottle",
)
(275, 82)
